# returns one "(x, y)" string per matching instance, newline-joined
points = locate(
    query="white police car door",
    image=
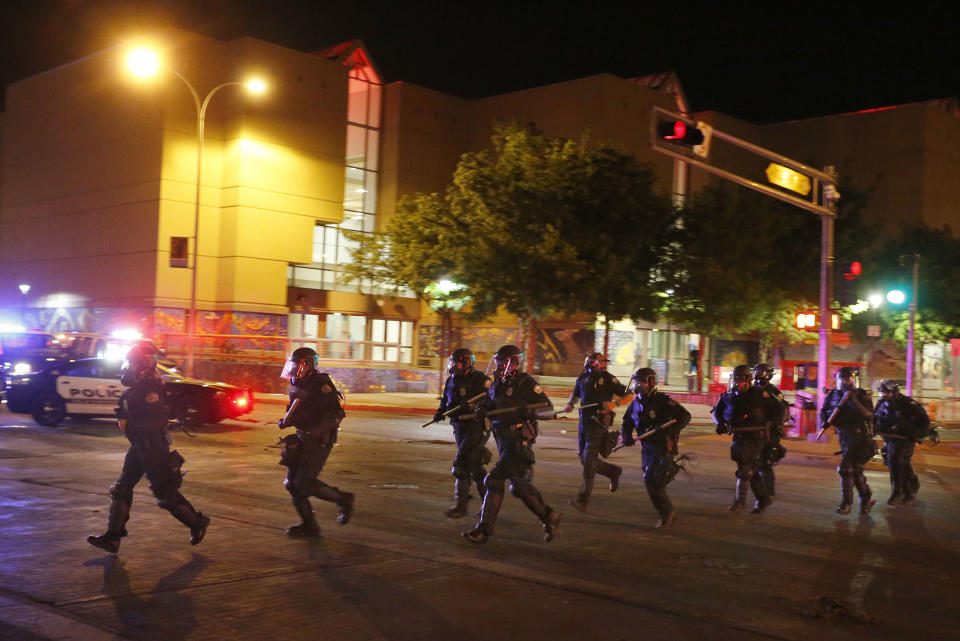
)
(91, 387)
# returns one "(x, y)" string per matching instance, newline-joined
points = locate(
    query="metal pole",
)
(826, 282)
(913, 318)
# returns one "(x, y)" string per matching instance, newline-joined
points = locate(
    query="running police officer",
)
(773, 451)
(595, 389)
(316, 409)
(902, 422)
(849, 409)
(746, 413)
(463, 384)
(514, 427)
(657, 420)
(142, 417)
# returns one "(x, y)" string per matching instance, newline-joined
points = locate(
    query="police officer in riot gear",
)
(315, 409)
(773, 451)
(902, 422)
(595, 389)
(142, 417)
(849, 409)
(471, 434)
(514, 428)
(746, 413)
(659, 419)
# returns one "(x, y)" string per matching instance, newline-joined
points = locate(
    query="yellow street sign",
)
(788, 179)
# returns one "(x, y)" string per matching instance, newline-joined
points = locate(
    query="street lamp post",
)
(146, 63)
(913, 318)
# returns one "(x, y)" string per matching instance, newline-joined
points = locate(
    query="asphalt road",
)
(401, 571)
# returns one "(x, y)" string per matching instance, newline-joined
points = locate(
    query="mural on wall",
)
(553, 345)
(620, 350)
(730, 353)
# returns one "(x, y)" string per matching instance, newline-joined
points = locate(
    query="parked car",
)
(90, 387)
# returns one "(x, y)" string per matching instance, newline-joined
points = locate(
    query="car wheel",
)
(48, 409)
(193, 411)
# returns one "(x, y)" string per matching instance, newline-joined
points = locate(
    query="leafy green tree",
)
(537, 226)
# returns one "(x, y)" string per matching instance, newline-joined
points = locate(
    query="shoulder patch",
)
(326, 389)
(153, 397)
(766, 394)
(487, 383)
(537, 389)
(616, 380)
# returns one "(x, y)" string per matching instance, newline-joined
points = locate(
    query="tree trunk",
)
(606, 336)
(445, 322)
(531, 349)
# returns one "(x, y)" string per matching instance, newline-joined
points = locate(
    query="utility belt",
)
(525, 431)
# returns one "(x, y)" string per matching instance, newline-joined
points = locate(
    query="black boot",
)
(488, 517)
(583, 496)
(308, 525)
(740, 498)
(551, 525)
(345, 507)
(462, 495)
(198, 531)
(108, 541)
(846, 495)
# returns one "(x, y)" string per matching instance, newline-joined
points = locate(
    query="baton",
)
(508, 410)
(646, 434)
(293, 406)
(458, 407)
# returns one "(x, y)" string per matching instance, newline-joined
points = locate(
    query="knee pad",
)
(292, 488)
(121, 492)
(845, 471)
(493, 484)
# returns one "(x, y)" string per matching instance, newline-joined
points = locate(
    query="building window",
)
(400, 333)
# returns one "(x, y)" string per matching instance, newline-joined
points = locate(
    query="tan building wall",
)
(99, 172)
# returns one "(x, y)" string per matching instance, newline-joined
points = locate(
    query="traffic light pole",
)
(823, 202)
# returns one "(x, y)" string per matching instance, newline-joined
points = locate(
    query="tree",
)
(537, 226)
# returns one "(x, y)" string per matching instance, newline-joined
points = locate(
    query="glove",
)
(723, 428)
(281, 423)
(438, 417)
(627, 440)
(568, 408)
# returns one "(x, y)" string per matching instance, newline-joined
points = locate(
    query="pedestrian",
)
(316, 410)
(746, 413)
(464, 384)
(513, 404)
(849, 410)
(902, 422)
(657, 420)
(773, 450)
(142, 415)
(595, 389)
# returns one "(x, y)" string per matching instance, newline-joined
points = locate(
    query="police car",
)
(90, 387)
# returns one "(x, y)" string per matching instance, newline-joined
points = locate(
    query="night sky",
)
(765, 65)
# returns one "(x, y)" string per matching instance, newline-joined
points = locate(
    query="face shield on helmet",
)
(596, 362)
(138, 361)
(762, 373)
(740, 379)
(506, 362)
(300, 365)
(643, 383)
(460, 362)
(847, 378)
(888, 387)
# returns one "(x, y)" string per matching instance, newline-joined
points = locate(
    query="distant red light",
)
(241, 401)
(679, 131)
(855, 268)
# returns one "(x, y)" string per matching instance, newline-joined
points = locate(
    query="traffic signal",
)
(847, 283)
(679, 132)
(808, 319)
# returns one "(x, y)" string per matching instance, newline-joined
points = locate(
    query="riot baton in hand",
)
(461, 406)
(508, 410)
(647, 433)
(284, 422)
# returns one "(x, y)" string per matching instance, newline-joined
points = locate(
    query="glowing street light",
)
(24, 288)
(144, 63)
(875, 300)
(896, 297)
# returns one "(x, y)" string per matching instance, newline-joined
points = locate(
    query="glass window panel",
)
(372, 150)
(374, 97)
(406, 333)
(370, 196)
(352, 220)
(406, 355)
(378, 330)
(393, 331)
(318, 244)
(359, 92)
(356, 146)
(377, 353)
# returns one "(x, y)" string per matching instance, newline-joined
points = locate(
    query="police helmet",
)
(643, 383)
(506, 362)
(762, 373)
(140, 359)
(595, 362)
(740, 379)
(847, 378)
(302, 362)
(888, 387)
(460, 361)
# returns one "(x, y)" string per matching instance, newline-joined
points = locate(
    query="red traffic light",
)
(679, 131)
(851, 270)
